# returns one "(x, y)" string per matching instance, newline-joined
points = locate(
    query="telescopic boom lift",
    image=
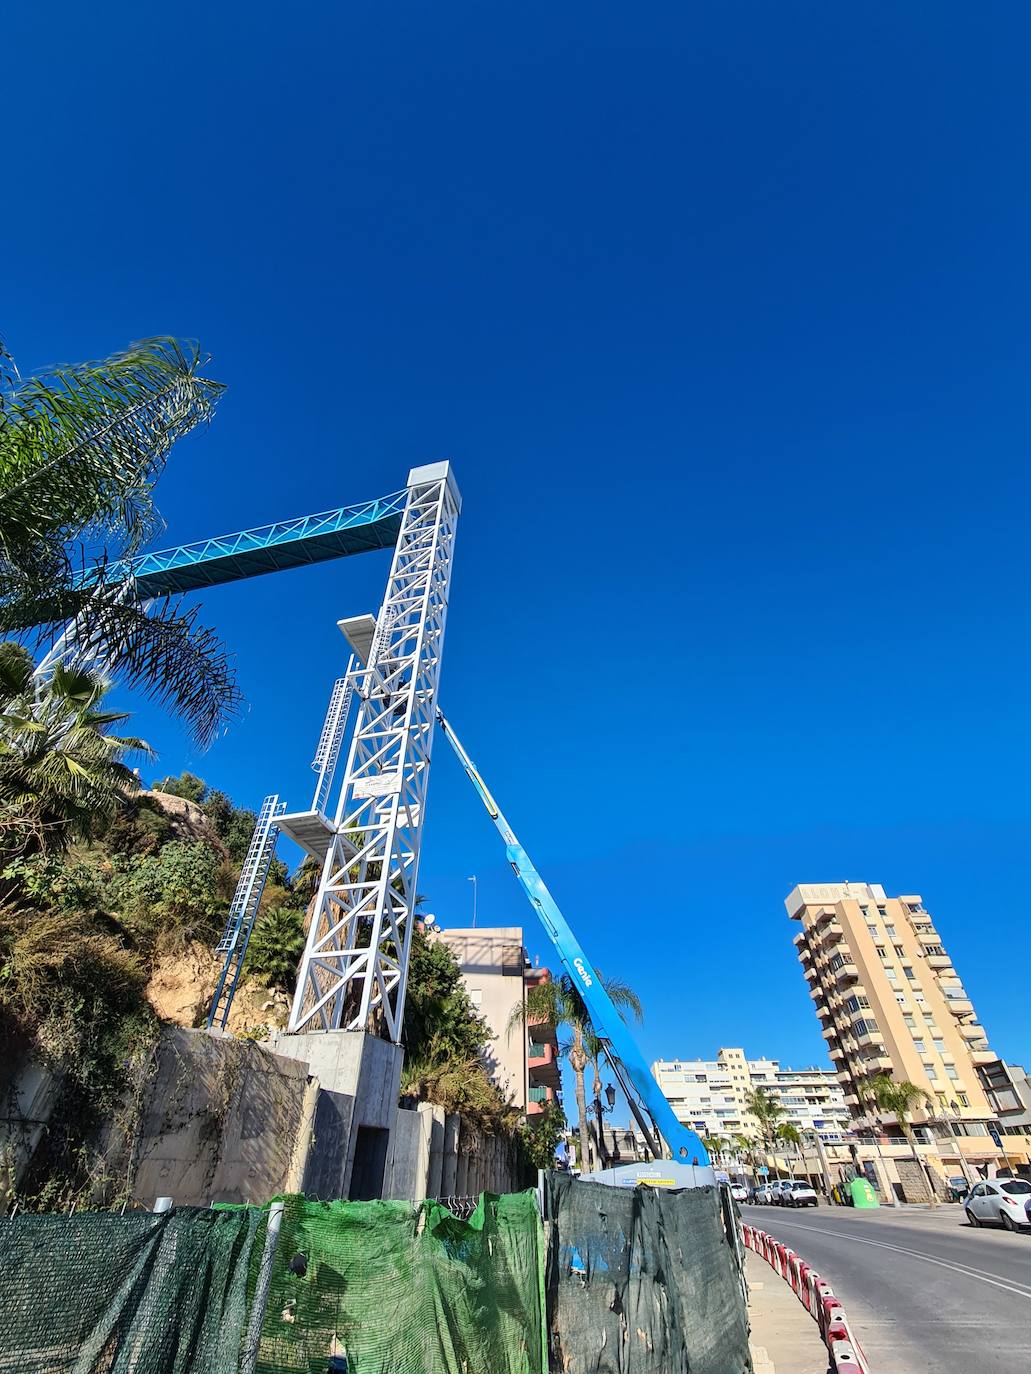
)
(620, 1046)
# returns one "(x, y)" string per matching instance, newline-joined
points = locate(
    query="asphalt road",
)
(923, 1290)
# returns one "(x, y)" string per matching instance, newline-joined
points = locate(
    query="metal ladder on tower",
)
(328, 751)
(244, 908)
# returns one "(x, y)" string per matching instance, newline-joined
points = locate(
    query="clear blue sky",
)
(722, 314)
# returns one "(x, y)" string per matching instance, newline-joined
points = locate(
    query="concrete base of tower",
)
(360, 1077)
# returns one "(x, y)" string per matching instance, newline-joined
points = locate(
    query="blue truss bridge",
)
(269, 548)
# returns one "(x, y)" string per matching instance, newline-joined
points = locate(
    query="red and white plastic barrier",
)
(817, 1297)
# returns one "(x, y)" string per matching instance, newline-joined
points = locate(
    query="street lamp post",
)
(600, 1112)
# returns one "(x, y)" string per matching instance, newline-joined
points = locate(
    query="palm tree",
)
(790, 1135)
(901, 1098)
(80, 450)
(558, 1002)
(61, 771)
(715, 1145)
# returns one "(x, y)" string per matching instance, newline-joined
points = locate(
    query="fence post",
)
(249, 1357)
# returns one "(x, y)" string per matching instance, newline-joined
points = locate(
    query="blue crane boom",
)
(620, 1046)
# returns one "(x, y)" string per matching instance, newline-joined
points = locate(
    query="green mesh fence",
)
(397, 1288)
(98, 1293)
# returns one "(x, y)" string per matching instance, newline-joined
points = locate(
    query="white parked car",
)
(761, 1194)
(777, 1190)
(739, 1192)
(798, 1194)
(999, 1202)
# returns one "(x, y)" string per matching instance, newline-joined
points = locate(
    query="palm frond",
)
(81, 446)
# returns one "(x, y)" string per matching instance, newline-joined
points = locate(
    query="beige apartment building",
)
(711, 1095)
(890, 1001)
(524, 1060)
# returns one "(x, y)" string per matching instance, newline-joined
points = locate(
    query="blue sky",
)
(722, 315)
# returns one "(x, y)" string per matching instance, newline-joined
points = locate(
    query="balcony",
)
(982, 1054)
(847, 973)
(877, 1063)
(831, 932)
(829, 1033)
(939, 961)
(837, 1052)
(959, 1004)
(869, 1037)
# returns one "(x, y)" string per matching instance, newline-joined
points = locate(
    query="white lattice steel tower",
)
(354, 969)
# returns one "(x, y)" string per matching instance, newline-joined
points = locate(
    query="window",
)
(933, 949)
(882, 911)
(909, 1020)
(918, 997)
(891, 930)
(939, 1046)
(964, 1101)
(476, 997)
(909, 973)
(873, 931)
(865, 910)
(920, 1047)
(1016, 1186)
(898, 950)
(929, 1018)
(950, 1072)
(900, 998)
(931, 1072)
(882, 952)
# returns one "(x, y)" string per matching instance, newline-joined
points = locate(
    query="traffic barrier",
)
(817, 1296)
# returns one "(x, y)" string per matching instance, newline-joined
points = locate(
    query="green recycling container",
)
(862, 1193)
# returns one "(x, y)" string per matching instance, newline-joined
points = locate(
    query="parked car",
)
(799, 1194)
(762, 1194)
(999, 1202)
(739, 1192)
(777, 1189)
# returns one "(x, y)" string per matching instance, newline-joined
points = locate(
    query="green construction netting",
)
(402, 1288)
(99, 1293)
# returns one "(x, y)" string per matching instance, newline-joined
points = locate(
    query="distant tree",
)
(186, 785)
(62, 775)
(902, 1098)
(715, 1145)
(767, 1111)
(558, 1003)
(788, 1134)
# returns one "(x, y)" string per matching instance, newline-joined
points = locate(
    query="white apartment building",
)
(710, 1094)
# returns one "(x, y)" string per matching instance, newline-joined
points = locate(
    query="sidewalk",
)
(784, 1338)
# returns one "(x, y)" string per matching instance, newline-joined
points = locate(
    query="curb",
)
(816, 1296)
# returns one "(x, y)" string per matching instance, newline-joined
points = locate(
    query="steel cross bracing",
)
(354, 970)
(244, 908)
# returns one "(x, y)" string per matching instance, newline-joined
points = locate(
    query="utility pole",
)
(472, 880)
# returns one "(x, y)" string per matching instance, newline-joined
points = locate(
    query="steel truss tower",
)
(354, 971)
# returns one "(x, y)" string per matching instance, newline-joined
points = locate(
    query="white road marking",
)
(1021, 1291)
